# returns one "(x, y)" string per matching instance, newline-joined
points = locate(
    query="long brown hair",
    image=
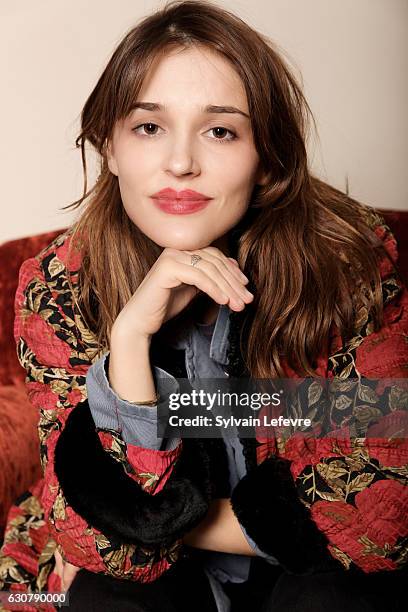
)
(305, 245)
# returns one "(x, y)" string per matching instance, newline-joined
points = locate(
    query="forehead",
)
(193, 76)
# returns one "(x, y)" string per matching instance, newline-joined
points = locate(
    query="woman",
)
(208, 249)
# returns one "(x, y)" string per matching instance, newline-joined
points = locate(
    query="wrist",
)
(124, 334)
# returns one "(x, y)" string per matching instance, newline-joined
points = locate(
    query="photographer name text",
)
(223, 422)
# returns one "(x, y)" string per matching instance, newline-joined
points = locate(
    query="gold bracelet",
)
(147, 403)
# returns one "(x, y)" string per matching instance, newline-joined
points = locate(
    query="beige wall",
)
(352, 55)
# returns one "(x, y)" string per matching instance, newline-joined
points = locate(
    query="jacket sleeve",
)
(113, 507)
(340, 500)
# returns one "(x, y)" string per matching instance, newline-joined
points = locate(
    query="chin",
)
(183, 244)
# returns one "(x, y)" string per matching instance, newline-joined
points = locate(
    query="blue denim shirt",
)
(205, 355)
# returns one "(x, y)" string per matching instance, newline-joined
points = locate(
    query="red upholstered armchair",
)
(19, 452)
(19, 444)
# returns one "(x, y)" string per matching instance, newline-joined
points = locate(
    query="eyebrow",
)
(211, 108)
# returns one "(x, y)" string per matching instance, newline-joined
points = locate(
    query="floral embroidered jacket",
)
(316, 504)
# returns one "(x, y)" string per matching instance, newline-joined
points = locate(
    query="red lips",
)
(186, 194)
(180, 202)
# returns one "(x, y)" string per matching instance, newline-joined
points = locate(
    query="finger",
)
(213, 284)
(190, 275)
(70, 571)
(208, 280)
(59, 564)
(228, 262)
(228, 282)
(232, 273)
(234, 261)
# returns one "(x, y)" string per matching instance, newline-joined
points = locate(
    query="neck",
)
(222, 244)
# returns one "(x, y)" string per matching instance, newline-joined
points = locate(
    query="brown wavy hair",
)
(306, 246)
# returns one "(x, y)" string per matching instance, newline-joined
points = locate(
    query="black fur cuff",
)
(97, 488)
(266, 503)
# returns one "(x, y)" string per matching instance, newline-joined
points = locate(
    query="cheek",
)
(236, 170)
(238, 186)
(133, 161)
(132, 168)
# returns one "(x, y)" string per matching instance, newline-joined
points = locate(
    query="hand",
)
(66, 571)
(172, 282)
(220, 531)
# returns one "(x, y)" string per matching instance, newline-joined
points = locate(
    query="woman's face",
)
(189, 140)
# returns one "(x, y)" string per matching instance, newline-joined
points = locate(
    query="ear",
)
(112, 165)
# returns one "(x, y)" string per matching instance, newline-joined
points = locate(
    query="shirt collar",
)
(219, 341)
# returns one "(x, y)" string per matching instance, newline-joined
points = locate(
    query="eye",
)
(150, 129)
(223, 130)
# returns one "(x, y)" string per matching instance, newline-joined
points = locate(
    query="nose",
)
(181, 157)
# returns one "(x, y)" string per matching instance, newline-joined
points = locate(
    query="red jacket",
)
(320, 503)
